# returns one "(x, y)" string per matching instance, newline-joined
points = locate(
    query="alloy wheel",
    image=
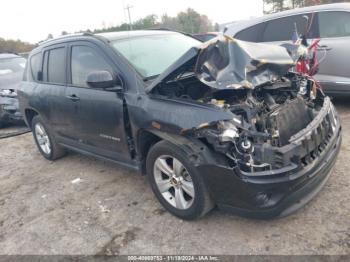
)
(42, 138)
(174, 182)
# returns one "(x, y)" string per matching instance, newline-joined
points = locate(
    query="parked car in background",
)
(330, 23)
(204, 37)
(11, 74)
(204, 129)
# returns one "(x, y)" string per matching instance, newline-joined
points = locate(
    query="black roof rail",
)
(65, 36)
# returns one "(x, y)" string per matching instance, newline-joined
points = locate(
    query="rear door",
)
(334, 29)
(51, 88)
(96, 115)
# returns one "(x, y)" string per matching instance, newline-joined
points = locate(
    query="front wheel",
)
(176, 182)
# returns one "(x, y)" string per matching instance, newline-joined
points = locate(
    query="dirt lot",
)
(112, 210)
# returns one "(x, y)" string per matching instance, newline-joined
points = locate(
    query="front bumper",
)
(275, 194)
(9, 109)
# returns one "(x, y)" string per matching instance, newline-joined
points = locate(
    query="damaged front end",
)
(273, 133)
(282, 128)
(282, 120)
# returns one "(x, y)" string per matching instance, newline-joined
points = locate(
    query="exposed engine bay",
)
(270, 108)
(271, 113)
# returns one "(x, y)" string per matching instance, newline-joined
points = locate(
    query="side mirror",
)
(105, 80)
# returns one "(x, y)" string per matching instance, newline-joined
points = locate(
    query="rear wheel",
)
(176, 182)
(45, 141)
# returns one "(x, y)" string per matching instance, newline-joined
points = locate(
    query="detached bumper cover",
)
(273, 193)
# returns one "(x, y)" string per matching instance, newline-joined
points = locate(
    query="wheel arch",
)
(29, 114)
(197, 151)
(191, 152)
(145, 140)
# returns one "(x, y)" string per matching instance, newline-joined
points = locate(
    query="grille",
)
(316, 139)
(289, 119)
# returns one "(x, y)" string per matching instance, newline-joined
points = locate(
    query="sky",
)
(33, 20)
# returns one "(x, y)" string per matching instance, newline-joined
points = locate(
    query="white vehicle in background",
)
(330, 23)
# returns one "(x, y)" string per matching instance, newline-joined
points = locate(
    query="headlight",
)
(230, 131)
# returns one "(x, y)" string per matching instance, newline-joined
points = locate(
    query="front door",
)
(334, 55)
(96, 114)
(282, 30)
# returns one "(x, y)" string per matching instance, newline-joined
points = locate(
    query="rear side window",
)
(85, 60)
(334, 24)
(251, 34)
(35, 65)
(54, 65)
(282, 29)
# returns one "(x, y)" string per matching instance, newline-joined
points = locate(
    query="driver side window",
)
(85, 60)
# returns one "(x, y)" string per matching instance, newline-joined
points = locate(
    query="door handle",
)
(73, 97)
(324, 47)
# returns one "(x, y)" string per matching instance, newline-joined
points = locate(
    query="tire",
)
(174, 190)
(52, 150)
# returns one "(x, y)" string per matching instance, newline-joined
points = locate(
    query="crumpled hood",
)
(229, 63)
(226, 63)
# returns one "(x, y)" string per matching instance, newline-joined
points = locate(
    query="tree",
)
(170, 22)
(205, 24)
(275, 5)
(15, 46)
(147, 22)
(188, 21)
(193, 22)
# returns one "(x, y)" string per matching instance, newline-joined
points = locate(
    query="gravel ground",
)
(111, 210)
(13, 130)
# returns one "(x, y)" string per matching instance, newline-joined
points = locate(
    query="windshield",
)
(152, 54)
(12, 65)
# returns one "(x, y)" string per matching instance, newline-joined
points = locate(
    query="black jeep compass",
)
(224, 123)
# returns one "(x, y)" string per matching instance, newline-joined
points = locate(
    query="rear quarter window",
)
(251, 34)
(35, 65)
